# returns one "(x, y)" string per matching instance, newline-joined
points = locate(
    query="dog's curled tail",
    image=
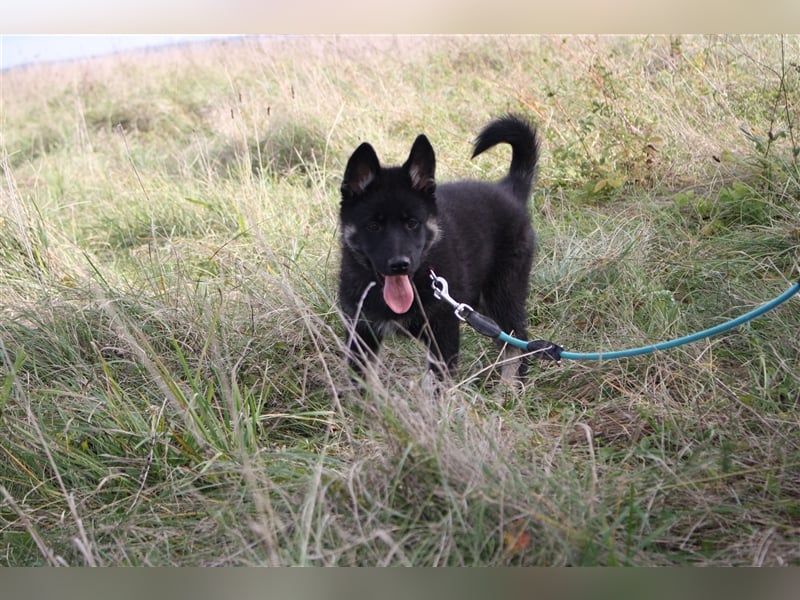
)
(520, 134)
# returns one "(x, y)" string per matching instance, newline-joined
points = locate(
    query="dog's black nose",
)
(399, 265)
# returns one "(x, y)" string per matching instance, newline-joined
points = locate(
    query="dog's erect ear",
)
(362, 169)
(421, 165)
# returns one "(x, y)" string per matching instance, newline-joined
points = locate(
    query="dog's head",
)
(388, 217)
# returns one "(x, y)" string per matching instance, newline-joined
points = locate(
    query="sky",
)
(18, 50)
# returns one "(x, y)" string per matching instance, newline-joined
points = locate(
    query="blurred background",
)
(21, 50)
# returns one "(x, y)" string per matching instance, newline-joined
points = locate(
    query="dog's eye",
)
(373, 226)
(412, 224)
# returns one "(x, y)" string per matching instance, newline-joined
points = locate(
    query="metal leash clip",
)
(441, 292)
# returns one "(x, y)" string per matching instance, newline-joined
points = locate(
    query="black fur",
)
(477, 235)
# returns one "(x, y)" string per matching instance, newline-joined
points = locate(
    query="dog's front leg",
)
(443, 344)
(363, 343)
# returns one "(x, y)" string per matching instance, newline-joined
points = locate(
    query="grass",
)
(172, 387)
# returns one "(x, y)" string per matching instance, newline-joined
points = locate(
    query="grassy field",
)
(172, 386)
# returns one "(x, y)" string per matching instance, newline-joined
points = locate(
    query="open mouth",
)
(398, 293)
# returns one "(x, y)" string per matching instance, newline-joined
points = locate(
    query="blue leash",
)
(552, 351)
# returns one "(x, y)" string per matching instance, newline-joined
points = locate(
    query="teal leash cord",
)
(687, 339)
(553, 351)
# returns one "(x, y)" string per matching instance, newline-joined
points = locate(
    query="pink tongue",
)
(397, 293)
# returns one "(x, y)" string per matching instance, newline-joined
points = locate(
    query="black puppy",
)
(397, 224)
